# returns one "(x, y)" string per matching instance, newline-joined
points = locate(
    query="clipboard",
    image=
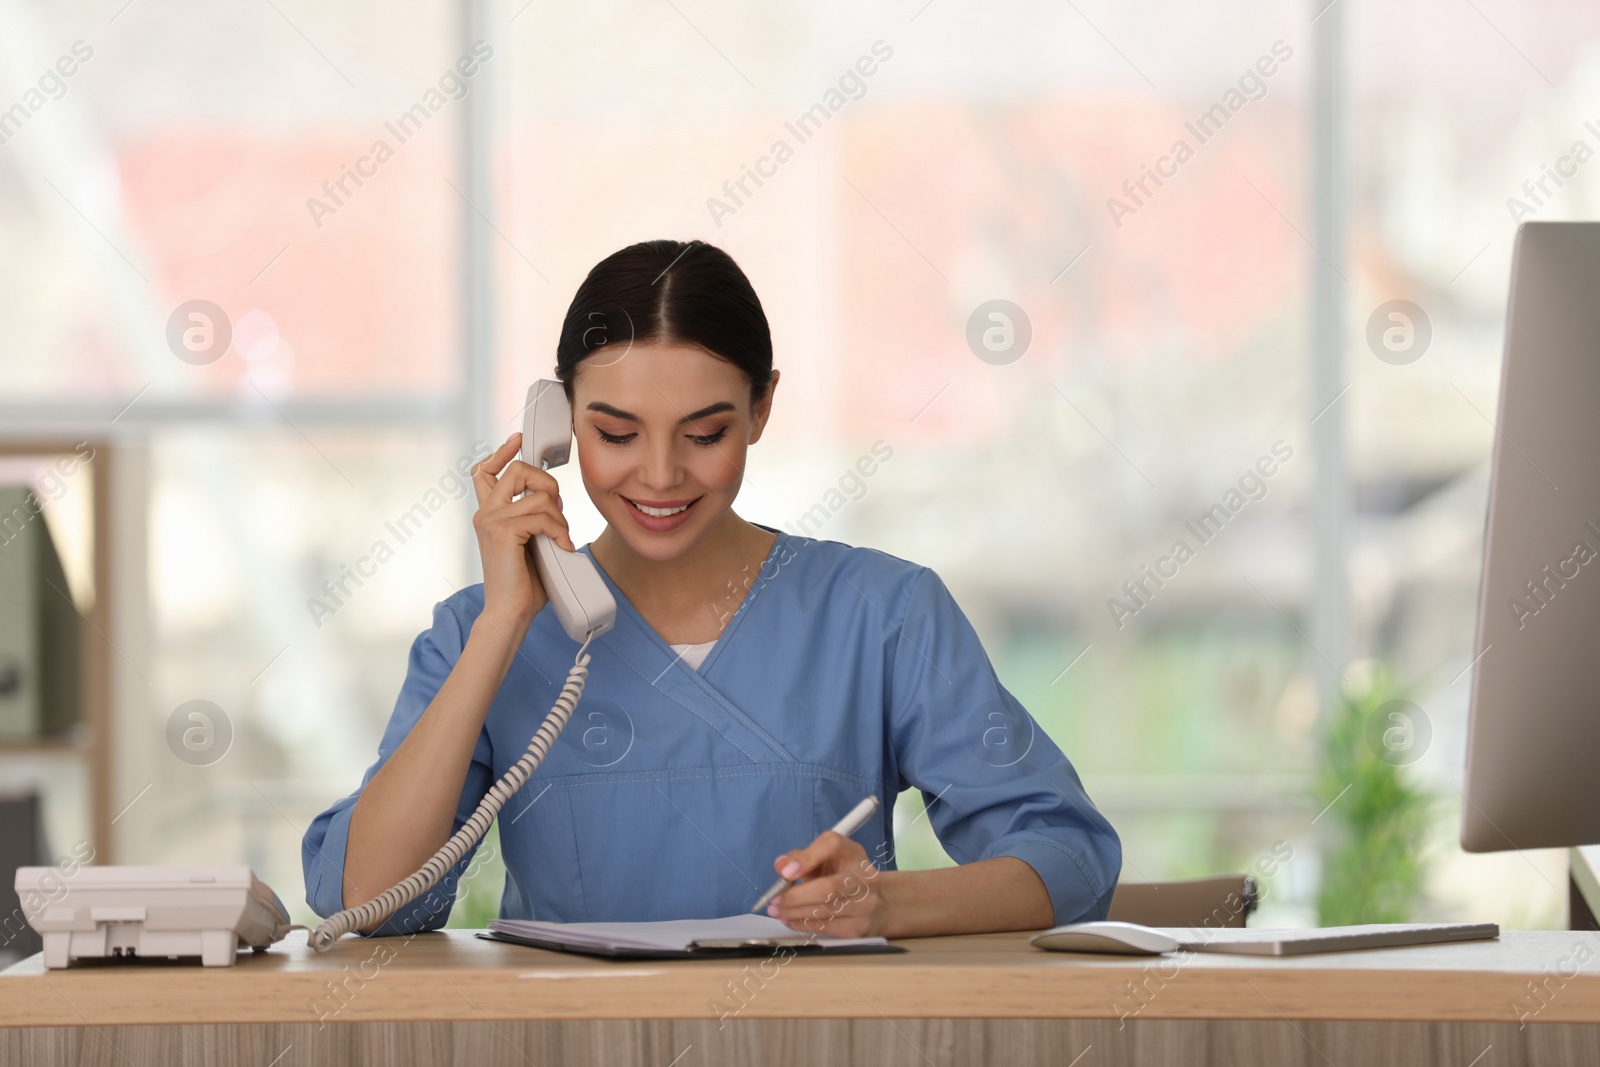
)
(698, 950)
(678, 940)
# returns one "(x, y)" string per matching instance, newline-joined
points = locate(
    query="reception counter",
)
(1531, 998)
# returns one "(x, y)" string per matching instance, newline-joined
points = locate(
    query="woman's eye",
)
(708, 439)
(613, 438)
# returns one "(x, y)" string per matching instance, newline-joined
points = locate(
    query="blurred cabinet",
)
(55, 655)
(40, 642)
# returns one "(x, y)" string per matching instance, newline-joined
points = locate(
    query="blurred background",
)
(271, 272)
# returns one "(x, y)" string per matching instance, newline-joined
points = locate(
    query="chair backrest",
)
(1218, 902)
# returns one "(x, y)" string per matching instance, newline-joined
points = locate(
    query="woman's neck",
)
(691, 598)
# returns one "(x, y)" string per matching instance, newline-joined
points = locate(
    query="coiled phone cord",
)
(472, 831)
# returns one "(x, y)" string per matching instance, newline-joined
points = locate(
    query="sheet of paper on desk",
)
(671, 936)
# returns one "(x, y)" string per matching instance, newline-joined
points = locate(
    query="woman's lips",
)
(661, 516)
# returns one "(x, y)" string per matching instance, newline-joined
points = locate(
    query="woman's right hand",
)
(506, 527)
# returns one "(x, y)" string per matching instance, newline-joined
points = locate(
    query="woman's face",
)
(662, 432)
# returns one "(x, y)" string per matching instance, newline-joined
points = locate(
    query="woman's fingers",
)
(837, 888)
(799, 899)
(519, 477)
(522, 519)
(499, 477)
(801, 862)
(841, 905)
(487, 469)
(531, 503)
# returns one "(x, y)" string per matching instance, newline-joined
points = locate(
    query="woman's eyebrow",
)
(617, 413)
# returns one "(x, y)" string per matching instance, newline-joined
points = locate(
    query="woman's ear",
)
(763, 408)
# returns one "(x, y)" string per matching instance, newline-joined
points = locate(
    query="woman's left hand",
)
(842, 894)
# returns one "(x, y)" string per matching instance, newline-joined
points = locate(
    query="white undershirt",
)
(694, 655)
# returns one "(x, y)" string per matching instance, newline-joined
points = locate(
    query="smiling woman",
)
(828, 672)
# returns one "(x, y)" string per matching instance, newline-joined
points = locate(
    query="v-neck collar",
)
(761, 580)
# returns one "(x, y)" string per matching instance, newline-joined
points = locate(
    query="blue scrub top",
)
(844, 672)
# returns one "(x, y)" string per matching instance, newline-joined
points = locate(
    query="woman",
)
(755, 687)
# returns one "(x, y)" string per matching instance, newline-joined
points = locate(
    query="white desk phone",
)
(211, 912)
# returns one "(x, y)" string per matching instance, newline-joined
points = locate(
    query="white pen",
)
(855, 820)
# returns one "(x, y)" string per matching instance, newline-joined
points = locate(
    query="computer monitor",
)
(1533, 747)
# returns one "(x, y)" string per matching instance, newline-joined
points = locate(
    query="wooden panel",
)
(801, 1043)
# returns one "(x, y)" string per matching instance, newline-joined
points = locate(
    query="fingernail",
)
(791, 869)
(772, 909)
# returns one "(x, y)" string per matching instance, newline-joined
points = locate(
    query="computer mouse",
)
(1123, 939)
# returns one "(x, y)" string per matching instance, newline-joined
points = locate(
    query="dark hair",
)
(689, 293)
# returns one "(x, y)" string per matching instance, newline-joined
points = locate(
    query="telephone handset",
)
(586, 609)
(577, 593)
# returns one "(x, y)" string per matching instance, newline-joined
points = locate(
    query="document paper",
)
(673, 935)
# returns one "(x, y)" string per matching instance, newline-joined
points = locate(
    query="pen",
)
(846, 827)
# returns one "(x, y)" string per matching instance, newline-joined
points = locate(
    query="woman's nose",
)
(660, 468)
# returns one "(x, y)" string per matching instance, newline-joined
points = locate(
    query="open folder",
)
(734, 935)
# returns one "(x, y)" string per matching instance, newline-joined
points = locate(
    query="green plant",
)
(478, 893)
(1375, 818)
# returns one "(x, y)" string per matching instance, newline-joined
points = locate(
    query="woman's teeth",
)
(659, 513)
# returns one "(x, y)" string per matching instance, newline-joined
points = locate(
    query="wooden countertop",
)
(452, 975)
